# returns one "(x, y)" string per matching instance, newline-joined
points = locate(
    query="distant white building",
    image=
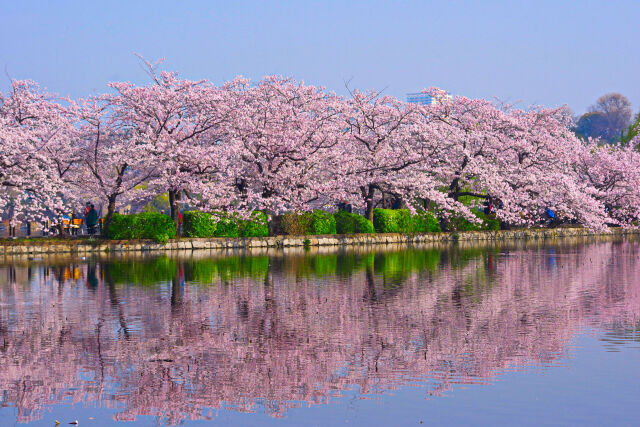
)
(425, 99)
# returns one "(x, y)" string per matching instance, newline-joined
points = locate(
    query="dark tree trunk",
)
(111, 209)
(368, 198)
(174, 197)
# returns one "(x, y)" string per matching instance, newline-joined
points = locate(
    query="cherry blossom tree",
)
(388, 151)
(613, 173)
(115, 164)
(183, 120)
(286, 135)
(520, 160)
(282, 145)
(35, 154)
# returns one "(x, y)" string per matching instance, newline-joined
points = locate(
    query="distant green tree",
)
(632, 131)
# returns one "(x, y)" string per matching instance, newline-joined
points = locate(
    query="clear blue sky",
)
(538, 52)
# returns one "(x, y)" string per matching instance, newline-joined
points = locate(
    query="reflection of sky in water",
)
(448, 336)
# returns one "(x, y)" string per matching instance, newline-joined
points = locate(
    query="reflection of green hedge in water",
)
(142, 272)
(311, 265)
(390, 265)
(210, 270)
(350, 262)
(398, 264)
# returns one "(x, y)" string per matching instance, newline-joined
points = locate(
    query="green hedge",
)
(349, 223)
(322, 222)
(295, 223)
(462, 224)
(315, 222)
(147, 225)
(204, 224)
(198, 224)
(257, 226)
(402, 221)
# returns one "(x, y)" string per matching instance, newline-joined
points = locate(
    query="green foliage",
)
(462, 224)
(384, 221)
(159, 203)
(402, 221)
(632, 131)
(257, 226)
(349, 223)
(204, 224)
(198, 224)
(227, 226)
(146, 225)
(122, 227)
(426, 222)
(296, 224)
(315, 222)
(322, 222)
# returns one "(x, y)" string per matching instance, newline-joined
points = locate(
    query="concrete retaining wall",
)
(82, 246)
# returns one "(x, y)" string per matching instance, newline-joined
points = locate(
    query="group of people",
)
(90, 219)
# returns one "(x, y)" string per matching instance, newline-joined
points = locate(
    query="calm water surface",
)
(514, 334)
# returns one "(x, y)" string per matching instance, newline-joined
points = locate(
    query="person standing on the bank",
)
(92, 220)
(85, 212)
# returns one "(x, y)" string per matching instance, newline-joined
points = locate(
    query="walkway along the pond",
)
(81, 246)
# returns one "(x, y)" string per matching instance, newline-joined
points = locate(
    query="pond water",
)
(521, 333)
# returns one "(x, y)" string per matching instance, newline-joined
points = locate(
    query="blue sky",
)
(536, 52)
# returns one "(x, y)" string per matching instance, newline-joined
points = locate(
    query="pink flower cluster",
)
(281, 145)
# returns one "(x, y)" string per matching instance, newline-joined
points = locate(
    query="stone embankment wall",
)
(82, 246)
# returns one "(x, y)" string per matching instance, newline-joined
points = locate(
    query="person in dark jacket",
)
(92, 220)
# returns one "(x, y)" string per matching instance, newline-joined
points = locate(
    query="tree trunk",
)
(368, 212)
(174, 196)
(111, 208)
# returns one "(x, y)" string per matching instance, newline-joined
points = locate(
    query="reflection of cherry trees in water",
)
(173, 337)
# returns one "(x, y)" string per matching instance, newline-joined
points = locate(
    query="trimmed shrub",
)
(122, 227)
(227, 227)
(349, 223)
(156, 226)
(425, 222)
(315, 222)
(384, 221)
(147, 225)
(204, 224)
(257, 226)
(402, 221)
(345, 224)
(198, 224)
(463, 224)
(322, 222)
(295, 223)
